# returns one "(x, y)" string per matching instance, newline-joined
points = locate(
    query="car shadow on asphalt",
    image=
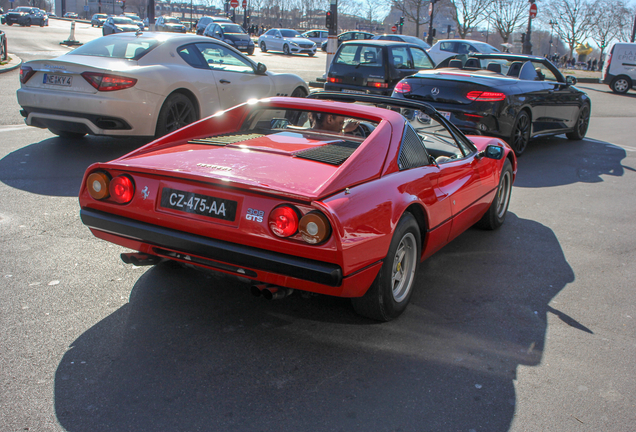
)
(557, 161)
(56, 166)
(195, 351)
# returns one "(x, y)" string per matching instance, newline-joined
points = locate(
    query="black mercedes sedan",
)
(510, 96)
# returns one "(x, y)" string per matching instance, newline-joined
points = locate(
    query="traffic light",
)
(401, 21)
(329, 21)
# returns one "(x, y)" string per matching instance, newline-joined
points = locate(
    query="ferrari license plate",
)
(61, 80)
(205, 205)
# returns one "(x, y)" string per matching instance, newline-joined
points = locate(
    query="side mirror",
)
(494, 152)
(571, 80)
(261, 69)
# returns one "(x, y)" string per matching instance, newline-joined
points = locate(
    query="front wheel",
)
(250, 51)
(582, 122)
(42, 23)
(311, 54)
(28, 23)
(286, 49)
(620, 85)
(391, 290)
(520, 133)
(498, 209)
(176, 112)
(263, 47)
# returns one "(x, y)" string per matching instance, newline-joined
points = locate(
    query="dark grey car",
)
(232, 34)
(374, 66)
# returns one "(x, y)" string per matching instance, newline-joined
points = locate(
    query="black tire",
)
(263, 47)
(42, 23)
(582, 122)
(10, 24)
(311, 54)
(621, 84)
(66, 134)
(176, 112)
(299, 92)
(520, 135)
(250, 51)
(391, 290)
(286, 49)
(496, 214)
(28, 22)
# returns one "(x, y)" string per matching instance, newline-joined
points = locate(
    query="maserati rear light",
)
(98, 185)
(122, 189)
(26, 72)
(377, 83)
(402, 87)
(283, 221)
(335, 80)
(314, 227)
(108, 82)
(485, 96)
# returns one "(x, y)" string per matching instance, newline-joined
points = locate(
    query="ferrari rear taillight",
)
(314, 227)
(98, 185)
(122, 189)
(283, 221)
(402, 87)
(485, 96)
(26, 72)
(108, 82)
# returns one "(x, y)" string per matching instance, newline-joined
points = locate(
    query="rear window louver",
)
(412, 152)
(333, 154)
(223, 140)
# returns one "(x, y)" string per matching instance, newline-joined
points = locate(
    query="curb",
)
(13, 64)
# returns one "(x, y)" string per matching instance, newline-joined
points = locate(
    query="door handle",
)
(224, 81)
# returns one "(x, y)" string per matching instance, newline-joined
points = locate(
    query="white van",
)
(619, 71)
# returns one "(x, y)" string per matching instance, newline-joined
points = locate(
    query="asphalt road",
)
(528, 328)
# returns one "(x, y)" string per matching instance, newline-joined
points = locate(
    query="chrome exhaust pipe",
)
(270, 292)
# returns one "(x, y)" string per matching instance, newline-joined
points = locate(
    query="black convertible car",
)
(510, 96)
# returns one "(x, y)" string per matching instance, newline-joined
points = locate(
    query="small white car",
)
(619, 71)
(288, 41)
(145, 84)
(446, 48)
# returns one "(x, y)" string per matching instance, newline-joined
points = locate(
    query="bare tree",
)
(626, 25)
(468, 14)
(575, 19)
(607, 22)
(372, 9)
(506, 16)
(415, 11)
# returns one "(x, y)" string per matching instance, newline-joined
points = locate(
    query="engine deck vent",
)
(223, 140)
(333, 154)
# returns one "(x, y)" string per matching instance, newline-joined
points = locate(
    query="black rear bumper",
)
(225, 252)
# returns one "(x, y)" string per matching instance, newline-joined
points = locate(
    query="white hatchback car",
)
(143, 85)
(446, 48)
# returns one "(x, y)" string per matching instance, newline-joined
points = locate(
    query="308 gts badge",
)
(254, 215)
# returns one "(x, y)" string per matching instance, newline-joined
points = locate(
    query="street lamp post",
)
(552, 23)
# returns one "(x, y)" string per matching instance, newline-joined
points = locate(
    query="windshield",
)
(23, 9)
(121, 20)
(173, 21)
(128, 48)
(290, 33)
(134, 17)
(232, 28)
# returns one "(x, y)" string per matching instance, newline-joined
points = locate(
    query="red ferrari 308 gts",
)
(337, 194)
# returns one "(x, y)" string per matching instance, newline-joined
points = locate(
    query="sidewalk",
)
(13, 64)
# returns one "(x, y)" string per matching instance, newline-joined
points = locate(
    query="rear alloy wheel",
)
(582, 122)
(391, 290)
(66, 134)
(620, 85)
(177, 111)
(498, 209)
(286, 49)
(520, 133)
(299, 92)
(263, 47)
